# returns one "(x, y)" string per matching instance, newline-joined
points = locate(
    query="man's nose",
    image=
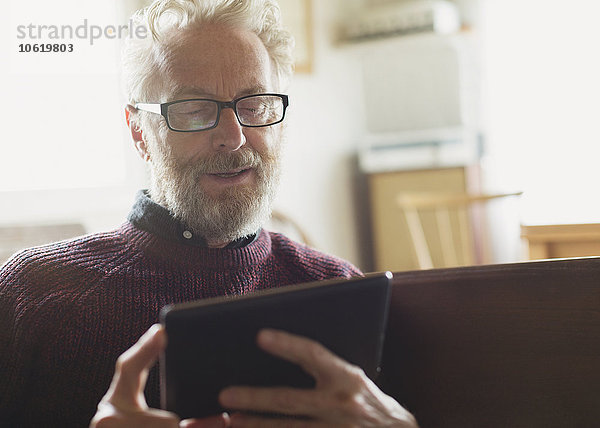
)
(228, 135)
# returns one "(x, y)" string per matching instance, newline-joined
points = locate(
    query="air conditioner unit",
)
(406, 17)
(421, 103)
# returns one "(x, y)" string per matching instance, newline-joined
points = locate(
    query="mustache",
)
(223, 162)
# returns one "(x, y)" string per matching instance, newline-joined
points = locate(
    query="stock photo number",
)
(46, 47)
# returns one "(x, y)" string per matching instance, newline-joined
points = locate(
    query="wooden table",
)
(561, 240)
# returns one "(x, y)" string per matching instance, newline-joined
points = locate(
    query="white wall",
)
(325, 124)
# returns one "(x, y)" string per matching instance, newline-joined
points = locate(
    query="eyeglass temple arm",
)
(153, 108)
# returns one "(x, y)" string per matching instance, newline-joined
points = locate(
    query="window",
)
(66, 152)
(542, 91)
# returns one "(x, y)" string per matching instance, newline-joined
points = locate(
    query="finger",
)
(286, 401)
(240, 420)
(219, 421)
(313, 357)
(109, 416)
(126, 390)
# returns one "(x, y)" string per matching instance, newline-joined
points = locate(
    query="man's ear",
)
(136, 134)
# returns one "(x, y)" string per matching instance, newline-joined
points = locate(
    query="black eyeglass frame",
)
(162, 108)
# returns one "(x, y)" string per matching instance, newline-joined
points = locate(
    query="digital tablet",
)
(211, 343)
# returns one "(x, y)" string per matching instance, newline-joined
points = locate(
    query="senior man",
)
(205, 112)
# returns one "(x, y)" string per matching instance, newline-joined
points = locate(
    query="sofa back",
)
(512, 345)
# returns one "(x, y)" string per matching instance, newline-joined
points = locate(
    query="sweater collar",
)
(154, 218)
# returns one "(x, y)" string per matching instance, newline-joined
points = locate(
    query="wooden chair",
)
(513, 345)
(283, 223)
(453, 223)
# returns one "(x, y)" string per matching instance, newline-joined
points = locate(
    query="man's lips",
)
(229, 174)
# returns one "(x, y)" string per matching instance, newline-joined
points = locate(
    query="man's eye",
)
(193, 109)
(195, 112)
(202, 108)
(255, 110)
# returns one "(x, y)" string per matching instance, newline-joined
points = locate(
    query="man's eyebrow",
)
(189, 90)
(203, 93)
(257, 89)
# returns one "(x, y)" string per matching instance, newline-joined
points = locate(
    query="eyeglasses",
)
(202, 114)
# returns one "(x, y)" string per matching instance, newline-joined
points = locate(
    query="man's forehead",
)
(218, 62)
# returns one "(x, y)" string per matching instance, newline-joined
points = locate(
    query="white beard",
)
(235, 213)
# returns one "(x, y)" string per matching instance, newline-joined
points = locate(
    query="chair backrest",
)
(515, 345)
(283, 223)
(453, 226)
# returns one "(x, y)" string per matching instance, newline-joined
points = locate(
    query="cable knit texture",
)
(69, 309)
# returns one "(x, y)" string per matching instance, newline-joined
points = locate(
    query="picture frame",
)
(297, 18)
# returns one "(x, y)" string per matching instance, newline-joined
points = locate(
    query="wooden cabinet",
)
(392, 248)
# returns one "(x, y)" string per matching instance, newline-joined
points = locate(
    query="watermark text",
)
(85, 31)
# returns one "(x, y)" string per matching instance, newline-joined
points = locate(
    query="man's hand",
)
(343, 396)
(124, 404)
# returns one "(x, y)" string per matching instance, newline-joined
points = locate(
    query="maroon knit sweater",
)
(67, 310)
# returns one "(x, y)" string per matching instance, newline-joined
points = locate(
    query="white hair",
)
(143, 58)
